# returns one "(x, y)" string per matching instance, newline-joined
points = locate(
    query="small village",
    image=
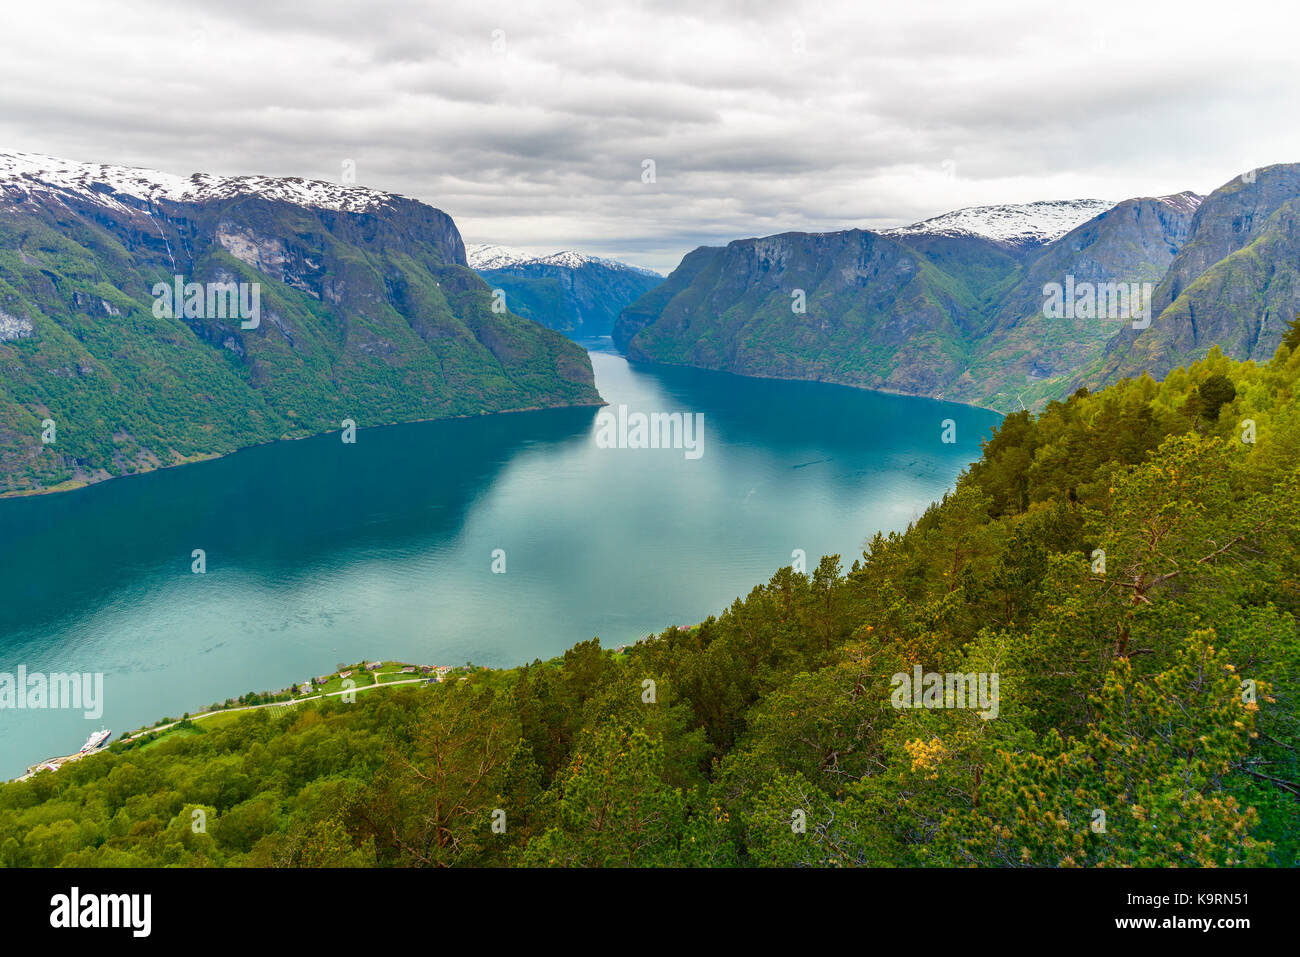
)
(361, 677)
(429, 674)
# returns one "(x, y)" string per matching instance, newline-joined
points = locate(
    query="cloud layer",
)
(530, 122)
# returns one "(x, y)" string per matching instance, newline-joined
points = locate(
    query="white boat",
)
(96, 741)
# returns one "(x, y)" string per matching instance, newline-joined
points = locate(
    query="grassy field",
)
(389, 673)
(389, 677)
(171, 735)
(360, 679)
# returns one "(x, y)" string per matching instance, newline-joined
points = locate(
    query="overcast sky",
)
(529, 122)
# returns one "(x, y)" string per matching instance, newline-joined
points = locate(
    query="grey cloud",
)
(761, 117)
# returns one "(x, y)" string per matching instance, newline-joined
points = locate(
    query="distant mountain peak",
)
(1186, 201)
(1025, 224)
(482, 256)
(22, 174)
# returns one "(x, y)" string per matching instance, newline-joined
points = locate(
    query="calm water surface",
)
(320, 553)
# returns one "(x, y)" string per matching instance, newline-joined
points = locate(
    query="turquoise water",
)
(320, 552)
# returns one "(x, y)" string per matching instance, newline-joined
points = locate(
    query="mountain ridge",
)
(24, 173)
(981, 303)
(1016, 224)
(491, 256)
(368, 313)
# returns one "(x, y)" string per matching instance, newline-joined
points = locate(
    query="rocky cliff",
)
(959, 309)
(367, 311)
(1235, 282)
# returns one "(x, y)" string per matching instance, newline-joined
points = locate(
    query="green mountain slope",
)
(971, 326)
(643, 311)
(1234, 284)
(876, 313)
(958, 317)
(368, 314)
(1028, 357)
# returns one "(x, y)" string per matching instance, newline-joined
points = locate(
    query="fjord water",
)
(320, 552)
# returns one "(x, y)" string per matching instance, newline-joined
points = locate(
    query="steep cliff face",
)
(366, 307)
(850, 307)
(1231, 217)
(1026, 355)
(680, 282)
(1235, 283)
(958, 312)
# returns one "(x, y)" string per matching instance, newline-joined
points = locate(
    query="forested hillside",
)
(366, 311)
(1147, 709)
(963, 314)
(954, 315)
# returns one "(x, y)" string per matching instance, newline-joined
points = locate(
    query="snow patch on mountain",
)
(24, 174)
(485, 256)
(1186, 201)
(1026, 224)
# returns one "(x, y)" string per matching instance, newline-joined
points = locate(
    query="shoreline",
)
(73, 485)
(782, 378)
(436, 674)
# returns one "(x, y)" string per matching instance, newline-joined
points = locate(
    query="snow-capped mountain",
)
(489, 256)
(973, 279)
(576, 294)
(22, 174)
(1020, 225)
(1185, 202)
(367, 285)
